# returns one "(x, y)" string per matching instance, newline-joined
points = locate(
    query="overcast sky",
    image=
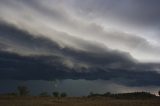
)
(115, 40)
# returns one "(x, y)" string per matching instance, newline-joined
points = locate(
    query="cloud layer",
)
(52, 39)
(42, 59)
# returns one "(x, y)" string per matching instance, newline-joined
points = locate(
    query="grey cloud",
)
(48, 43)
(16, 39)
(139, 16)
(41, 18)
(143, 12)
(104, 64)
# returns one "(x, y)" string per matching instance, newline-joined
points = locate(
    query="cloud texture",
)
(93, 39)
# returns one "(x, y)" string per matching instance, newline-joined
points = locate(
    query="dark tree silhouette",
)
(23, 90)
(159, 93)
(63, 94)
(132, 95)
(55, 94)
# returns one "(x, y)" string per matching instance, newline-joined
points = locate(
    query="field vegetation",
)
(23, 98)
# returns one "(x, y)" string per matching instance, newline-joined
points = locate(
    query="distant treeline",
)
(24, 91)
(133, 95)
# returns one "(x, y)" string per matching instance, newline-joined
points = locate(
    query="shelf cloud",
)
(91, 39)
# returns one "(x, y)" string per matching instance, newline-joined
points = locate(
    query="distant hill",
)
(133, 95)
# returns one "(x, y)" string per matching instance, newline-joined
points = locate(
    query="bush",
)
(63, 94)
(23, 90)
(55, 94)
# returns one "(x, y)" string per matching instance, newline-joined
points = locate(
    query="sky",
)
(101, 42)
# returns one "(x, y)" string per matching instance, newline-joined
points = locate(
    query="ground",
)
(74, 101)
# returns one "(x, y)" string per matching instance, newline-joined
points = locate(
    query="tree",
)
(90, 94)
(23, 90)
(159, 93)
(55, 94)
(63, 94)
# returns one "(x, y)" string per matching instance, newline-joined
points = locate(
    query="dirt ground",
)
(83, 101)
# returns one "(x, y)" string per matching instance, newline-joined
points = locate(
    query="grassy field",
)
(50, 101)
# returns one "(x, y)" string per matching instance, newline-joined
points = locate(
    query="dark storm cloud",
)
(38, 68)
(68, 63)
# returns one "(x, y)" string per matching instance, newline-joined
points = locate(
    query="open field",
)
(50, 101)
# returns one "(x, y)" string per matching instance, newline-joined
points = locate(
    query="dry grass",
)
(49, 101)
